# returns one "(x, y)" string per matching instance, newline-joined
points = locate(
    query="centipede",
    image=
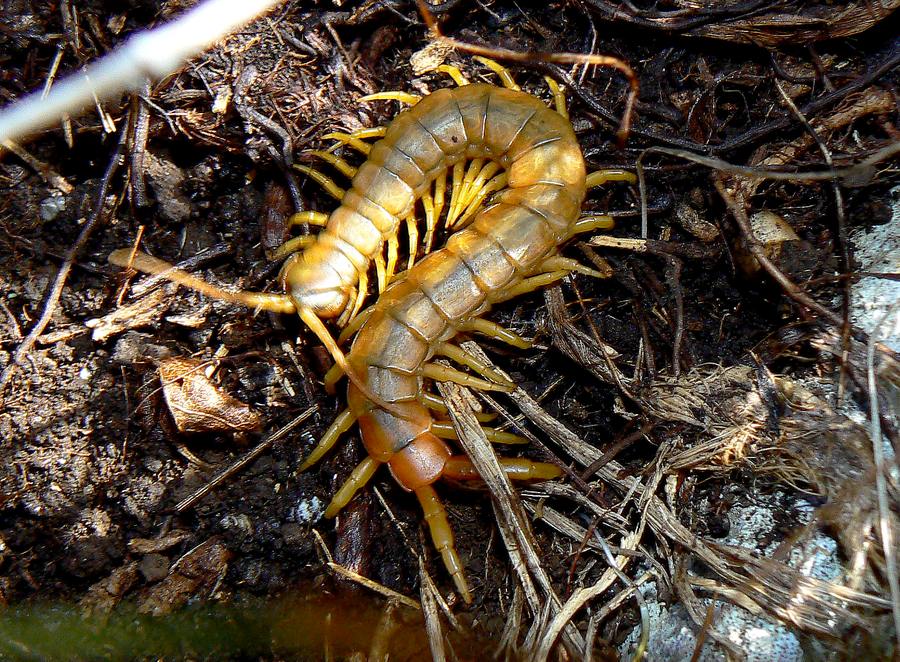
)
(518, 180)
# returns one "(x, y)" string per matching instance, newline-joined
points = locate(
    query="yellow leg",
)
(447, 431)
(442, 537)
(505, 77)
(339, 164)
(355, 139)
(530, 285)
(455, 353)
(559, 99)
(294, 245)
(339, 426)
(402, 97)
(393, 248)
(492, 330)
(592, 223)
(357, 480)
(317, 218)
(459, 169)
(436, 404)
(380, 271)
(479, 190)
(442, 373)
(460, 198)
(560, 263)
(495, 184)
(454, 73)
(437, 203)
(332, 377)
(361, 290)
(611, 175)
(459, 467)
(322, 180)
(412, 231)
(355, 324)
(129, 259)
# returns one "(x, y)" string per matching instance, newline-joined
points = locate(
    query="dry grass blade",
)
(511, 517)
(154, 53)
(427, 593)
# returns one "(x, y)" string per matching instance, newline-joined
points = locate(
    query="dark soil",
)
(91, 461)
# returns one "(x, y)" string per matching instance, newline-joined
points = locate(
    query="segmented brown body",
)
(506, 242)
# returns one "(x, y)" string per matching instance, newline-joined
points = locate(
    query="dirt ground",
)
(92, 466)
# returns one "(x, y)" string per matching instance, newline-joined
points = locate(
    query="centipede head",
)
(315, 285)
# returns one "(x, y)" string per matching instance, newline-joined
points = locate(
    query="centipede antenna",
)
(317, 327)
(276, 303)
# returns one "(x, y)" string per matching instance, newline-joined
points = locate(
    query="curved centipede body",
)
(508, 247)
(507, 242)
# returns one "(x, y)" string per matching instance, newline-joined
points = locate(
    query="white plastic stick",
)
(149, 54)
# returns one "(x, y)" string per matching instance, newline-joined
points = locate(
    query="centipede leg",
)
(393, 249)
(341, 165)
(338, 426)
(294, 245)
(560, 263)
(505, 77)
(454, 73)
(529, 285)
(442, 537)
(610, 175)
(459, 169)
(323, 180)
(434, 403)
(317, 218)
(331, 378)
(361, 291)
(460, 467)
(494, 184)
(436, 202)
(559, 98)
(354, 325)
(393, 95)
(355, 482)
(412, 231)
(380, 271)
(592, 223)
(462, 357)
(493, 330)
(447, 431)
(357, 138)
(442, 373)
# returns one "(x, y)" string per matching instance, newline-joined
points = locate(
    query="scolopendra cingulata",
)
(521, 151)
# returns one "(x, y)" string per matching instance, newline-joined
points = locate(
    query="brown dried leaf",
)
(194, 575)
(143, 312)
(198, 405)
